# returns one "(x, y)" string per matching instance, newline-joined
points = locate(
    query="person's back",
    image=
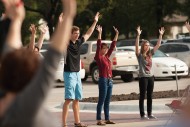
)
(25, 81)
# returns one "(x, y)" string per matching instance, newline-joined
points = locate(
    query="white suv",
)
(59, 72)
(178, 50)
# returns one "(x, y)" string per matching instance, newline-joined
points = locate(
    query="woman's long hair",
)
(142, 51)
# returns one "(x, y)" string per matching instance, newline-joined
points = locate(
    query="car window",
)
(159, 53)
(164, 48)
(186, 40)
(125, 43)
(84, 49)
(182, 48)
(94, 46)
(122, 43)
(174, 48)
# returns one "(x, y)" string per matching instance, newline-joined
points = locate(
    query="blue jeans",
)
(105, 86)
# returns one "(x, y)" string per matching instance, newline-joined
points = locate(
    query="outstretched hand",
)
(116, 30)
(139, 30)
(14, 9)
(43, 29)
(32, 29)
(187, 26)
(161, 30)
(99, 28)
(97, 16)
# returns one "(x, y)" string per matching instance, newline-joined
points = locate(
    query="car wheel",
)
(174, 78)
(127, 77)
(85, 77)
(95, 74)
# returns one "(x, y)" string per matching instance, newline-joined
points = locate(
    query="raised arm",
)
(113, 42)
(32, 37)
(36, 92)
(91, 29)
(16, 15)
(99, 29)
(161, 32)
(116, 33)
(137, 40)
(43, 29)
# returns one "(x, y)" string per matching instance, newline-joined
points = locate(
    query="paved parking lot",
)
(56, 98)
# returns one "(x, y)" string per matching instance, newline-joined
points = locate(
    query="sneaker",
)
(144, 117)
(152, 117)
(80, 125)
(109, 122)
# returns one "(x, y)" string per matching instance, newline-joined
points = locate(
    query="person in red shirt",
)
(105, 83)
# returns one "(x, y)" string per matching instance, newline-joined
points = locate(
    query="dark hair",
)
(75, 28)
(17, 69)
(104, 44)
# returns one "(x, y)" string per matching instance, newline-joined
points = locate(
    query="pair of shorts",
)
(73, 85)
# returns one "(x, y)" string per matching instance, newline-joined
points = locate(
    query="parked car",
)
(154, 41)
(164, 66)
(128, 42)
(184, 40)
(178, 50)
(59, 72)
(123, 63)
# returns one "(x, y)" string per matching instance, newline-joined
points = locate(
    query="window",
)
(181, 48)
(84, 49)
(169, 48)
(164, 48)
(94, 46)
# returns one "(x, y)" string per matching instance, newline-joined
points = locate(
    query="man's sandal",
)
(101, 123)
(109, 122)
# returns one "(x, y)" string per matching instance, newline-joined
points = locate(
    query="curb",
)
(116, 108)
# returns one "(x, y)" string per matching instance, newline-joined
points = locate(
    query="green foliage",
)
(126, 15)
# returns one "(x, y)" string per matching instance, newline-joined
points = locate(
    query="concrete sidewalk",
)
(122, 107)
(124, 113)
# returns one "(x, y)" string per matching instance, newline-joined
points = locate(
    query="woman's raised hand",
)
(139, 30)
(161, 30)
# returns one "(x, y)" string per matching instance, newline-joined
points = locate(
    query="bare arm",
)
(112, 47)
(61, 36)
(99, 29)
(91, 29)
(137, 40)
(116, 34)
(161, 31)
(14, 11)
(43, 31)
(32, 37)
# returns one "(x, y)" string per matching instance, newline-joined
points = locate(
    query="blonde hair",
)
(142, 51)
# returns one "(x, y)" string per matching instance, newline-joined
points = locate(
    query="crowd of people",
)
(26, 79)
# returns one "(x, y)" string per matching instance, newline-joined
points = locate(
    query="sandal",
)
(101, 123)
(80, 125)
(109, 122)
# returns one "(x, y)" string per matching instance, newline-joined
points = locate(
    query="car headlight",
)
(161, 65)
